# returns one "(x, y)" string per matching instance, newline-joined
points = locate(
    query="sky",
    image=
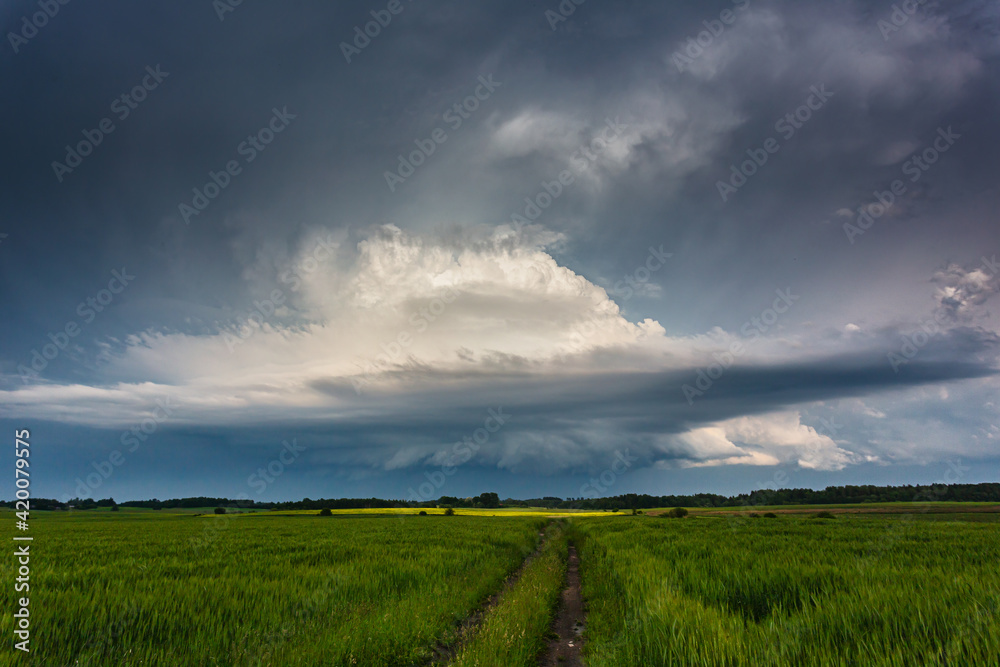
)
(409, 249)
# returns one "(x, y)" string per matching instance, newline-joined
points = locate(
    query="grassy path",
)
(514, 630)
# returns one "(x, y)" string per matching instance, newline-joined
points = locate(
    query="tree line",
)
(831, 495)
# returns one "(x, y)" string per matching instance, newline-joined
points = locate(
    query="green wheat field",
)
(712, 588)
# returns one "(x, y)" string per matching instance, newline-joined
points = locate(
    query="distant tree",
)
(114, 508)
(422, 513)
(220, 510)
(449, 511)
(325, 512)
(489, 500)
(677, 513)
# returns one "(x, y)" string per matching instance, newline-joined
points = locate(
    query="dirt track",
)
(564, 650)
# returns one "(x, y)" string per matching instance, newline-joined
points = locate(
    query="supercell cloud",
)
(714, 241)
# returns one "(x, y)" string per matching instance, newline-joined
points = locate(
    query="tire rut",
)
(565, 649)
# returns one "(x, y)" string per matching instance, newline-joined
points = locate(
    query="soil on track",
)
(564, 650)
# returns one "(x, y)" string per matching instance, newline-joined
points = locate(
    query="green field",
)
(162, 589)
(855, 590)
(166, 588)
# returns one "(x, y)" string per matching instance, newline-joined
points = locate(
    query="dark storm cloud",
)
(220, 79)
(642, 405)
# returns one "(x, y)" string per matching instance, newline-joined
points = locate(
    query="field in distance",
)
(390, 587)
